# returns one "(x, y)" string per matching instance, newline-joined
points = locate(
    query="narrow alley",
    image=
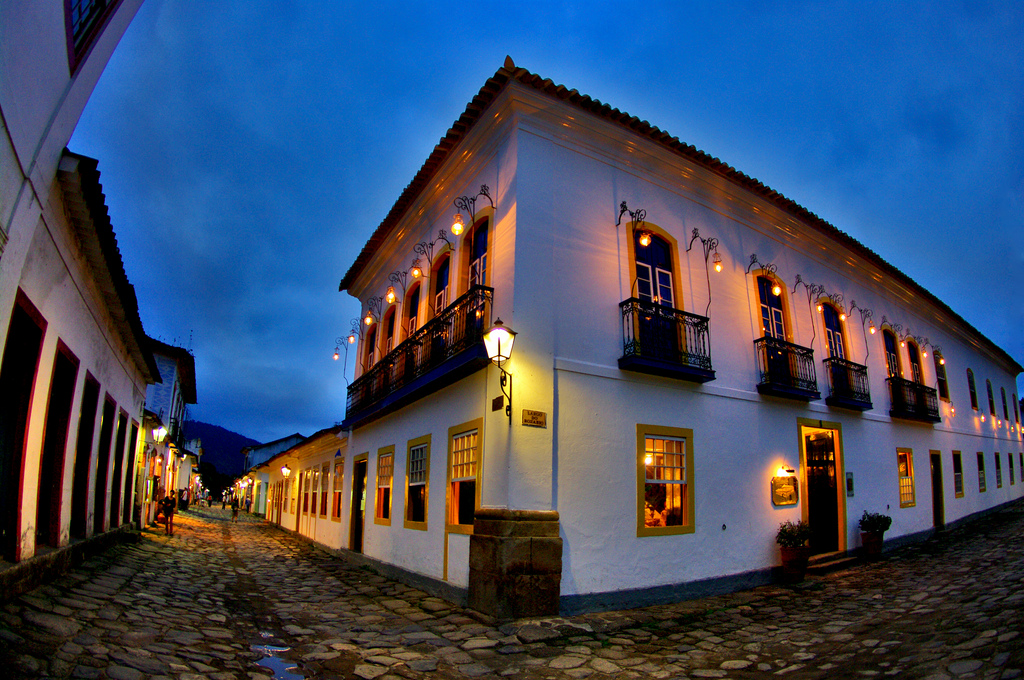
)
(247, 600)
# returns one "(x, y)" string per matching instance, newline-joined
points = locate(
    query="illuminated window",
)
(905, 465)
(339, 477)
(981, 472)
(973, 389)
(313, 480)
(999, 472)
(305, 491)
(664, 480)
(991, 398)
(417, 476)
(940, 375)
(1006, 411)
(892, 357)
(958, 475)
(325, 474)
(463, 477)
(385, 472)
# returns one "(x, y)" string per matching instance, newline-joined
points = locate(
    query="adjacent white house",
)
(697, 359)
(75, 364)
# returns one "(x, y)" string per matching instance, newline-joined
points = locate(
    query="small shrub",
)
(875, 522)
(793, 534)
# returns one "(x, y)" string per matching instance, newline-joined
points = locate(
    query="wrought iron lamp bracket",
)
(468, 203)
(636, 216)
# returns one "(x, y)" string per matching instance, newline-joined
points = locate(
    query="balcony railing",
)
(664, 341)
(446, 348)
(913, 401)
(787, 370)
(847, 384)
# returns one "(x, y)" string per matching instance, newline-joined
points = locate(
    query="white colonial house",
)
(697, 360)
(75, 364)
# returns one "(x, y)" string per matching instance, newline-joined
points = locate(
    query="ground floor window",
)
(905, 467)
(999, 472)
(385, 474)
(981, 472)
(417, 474)
(958, 475)
(1009, 466)
(664, 480)
(463, 477)
(306, 476)
(339, 477)
(325, 471)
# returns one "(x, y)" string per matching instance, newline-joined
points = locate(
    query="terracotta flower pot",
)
(871, 542)
(794, 562)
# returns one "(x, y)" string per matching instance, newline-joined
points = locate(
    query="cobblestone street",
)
(216, 598)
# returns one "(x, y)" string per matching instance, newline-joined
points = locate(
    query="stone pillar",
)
(515, 563)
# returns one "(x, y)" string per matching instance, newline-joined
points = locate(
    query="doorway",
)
(824, 504)
(938, 507)
(358, 502)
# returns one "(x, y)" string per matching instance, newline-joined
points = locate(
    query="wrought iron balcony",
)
(446, 349)
(787, 370)
(913, 401)
(664, 341)
(847, 384)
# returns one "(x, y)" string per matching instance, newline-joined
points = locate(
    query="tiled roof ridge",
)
(509, 71)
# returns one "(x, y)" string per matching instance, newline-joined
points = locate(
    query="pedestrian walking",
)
(234, 509)
(166, 508)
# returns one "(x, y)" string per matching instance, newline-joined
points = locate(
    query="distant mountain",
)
(221, 448)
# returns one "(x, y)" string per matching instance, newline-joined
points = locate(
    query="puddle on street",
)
(283, 669)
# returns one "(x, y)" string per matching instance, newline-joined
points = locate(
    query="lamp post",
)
(498, 341)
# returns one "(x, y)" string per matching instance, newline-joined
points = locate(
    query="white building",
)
(75, 365)
(652, 402)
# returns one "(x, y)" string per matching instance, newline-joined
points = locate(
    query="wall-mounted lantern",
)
(498, 341)
(286, 471)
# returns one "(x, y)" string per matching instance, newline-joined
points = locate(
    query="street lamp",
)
(498, 341)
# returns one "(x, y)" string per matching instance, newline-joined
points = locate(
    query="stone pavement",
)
(217, 597)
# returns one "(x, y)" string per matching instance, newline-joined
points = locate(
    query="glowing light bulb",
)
(369, 319)
(390, 295)
(335, 353)
(842, 316)
(457, 224)
(820, 308)
(718, 262)
(352, 339)
(777, 290)
(417, 272)
(645, 239)
(648, 459)
(872, 329)
(942, 361)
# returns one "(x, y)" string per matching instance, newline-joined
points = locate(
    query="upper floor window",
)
(1006, 411)
(389, 332)
(441, 285)
(478, 256)
(654, 281)
(940, 375)
(833, 332)
(772, 318)
(83, 21)
(1016, 414)
(371, 344)
(892, 356)
(991, 398)
(973, 389)
(412, 310)
(915, 362)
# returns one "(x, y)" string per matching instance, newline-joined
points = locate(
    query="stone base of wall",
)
(49, 563)
(515, 563)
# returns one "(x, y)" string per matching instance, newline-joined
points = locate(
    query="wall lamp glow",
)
(769, 271)
(160, 434)
(468, 204)
(708, 245)
(286, 471)
(498, 342)
(373, 309)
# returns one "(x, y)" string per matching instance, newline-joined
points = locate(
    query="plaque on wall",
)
(784, 490)
(535, 418)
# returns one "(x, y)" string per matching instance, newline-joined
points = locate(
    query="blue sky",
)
(248, 150)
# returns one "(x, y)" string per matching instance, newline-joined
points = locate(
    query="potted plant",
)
(792, 538)
(872, 527)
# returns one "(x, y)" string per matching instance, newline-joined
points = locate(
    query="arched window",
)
(371, 346)
(389, 332)
(772, 318)
(915, 362)
(441, 286)
(973, 389)
(991, 398)
(653, 268)
(412, 310)
(833, 332)
(892, 356)
(478, 255)
(1016, 416)
(1006, 412)
(940, 375)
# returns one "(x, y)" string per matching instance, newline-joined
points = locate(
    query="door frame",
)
(807, 426)
(357, 514)
(938, 499)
